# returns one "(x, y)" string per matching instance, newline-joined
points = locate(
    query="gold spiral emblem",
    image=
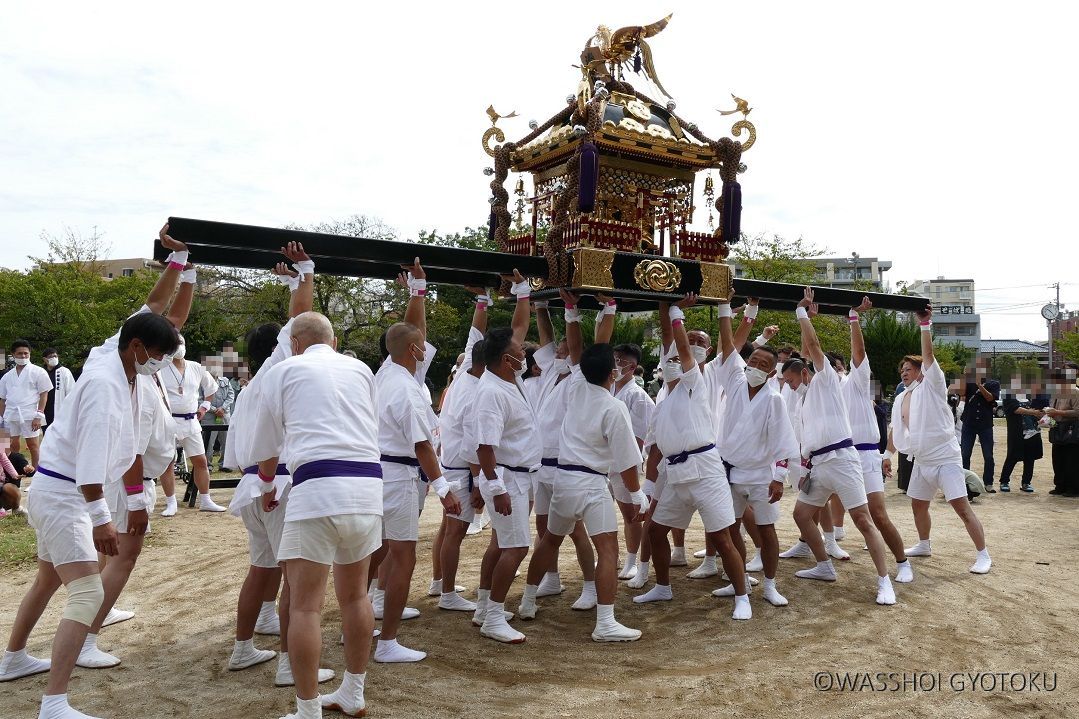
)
(657, 275)
(736, 130)
(639, 110)
(495, 133)
(536, 283)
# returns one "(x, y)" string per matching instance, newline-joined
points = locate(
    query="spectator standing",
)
(1024, 439)
(63, 384)
(1064, 437)
(981, 401)
(219, 414)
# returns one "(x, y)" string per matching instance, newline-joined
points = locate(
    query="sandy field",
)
(693, 660)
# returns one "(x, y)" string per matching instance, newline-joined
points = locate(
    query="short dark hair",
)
(795, 365)
(477, 353)
(495, 345)
(530, 362)
(597, 362)
(49, 351)
(20, 343)
(834, 357)
(261, 341)
(153, 330)
(788, 350)
(630, 349)
(767, 350)
(383, 353)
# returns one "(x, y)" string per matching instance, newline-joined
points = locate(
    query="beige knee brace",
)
(84, 598)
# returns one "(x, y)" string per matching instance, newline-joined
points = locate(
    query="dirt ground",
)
(692, 661)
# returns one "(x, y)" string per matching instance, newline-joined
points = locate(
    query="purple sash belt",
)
(843, 444)
(549, 462)
(680, 457)
(335, 468)
(868, 447)
(189, 415)
(580, 468)
(55, 475)
(408, 461)
(282, 470)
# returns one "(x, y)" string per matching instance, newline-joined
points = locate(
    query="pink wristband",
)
(133, 488)
(176, 266)
(571, 307)
(677, 323)
(264, 478)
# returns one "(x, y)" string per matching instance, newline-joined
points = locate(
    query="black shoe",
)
(1026, 488)
(1005, 488)
(1057, 491)
(990, 490)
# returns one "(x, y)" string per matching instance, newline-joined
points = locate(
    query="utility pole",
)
(1052, 357)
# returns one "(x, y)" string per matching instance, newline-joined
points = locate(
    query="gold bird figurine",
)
(495, 117)
(741, 106)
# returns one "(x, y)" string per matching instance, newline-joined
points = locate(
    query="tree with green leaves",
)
(1068, 346)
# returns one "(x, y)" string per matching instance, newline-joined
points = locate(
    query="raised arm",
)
(678, 329)
(479, 314)
(416, 280)
(665, 335)
(741, 335)
(522, 313)
(543, 324)
(605, 319)
(810, 344)
(303, 297)
(159, 296)
(574, 340)
(857, 343)
(181, 306)
(925, 323)
(726, 336)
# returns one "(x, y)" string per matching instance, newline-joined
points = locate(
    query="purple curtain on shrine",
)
(586, 187)
(730, 212)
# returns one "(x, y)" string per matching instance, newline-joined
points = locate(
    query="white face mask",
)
(51, 362)
(518, 372)
(802, 389)
(151, 365)
(22, 361)
(672, 371)
(756, 377)
(561, 365)
(180, 352)
(617, 376)
(700, 354)
(422, 357)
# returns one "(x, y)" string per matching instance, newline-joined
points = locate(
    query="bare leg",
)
(970, 520)
(922, 521)
(487, 564)
(70, 635)
(630, 529)
(661, 553)
(284, 607)
(678, 537)
(258, 584)
(201, 471)
(606, 570)
(585, 556)
(804, 515)
(168, 481)
(645, 554)
(305, 620)
(835, 507)
(436, 551)
(115, 575)
(769, 549)
(451, 552)
(541, 531)
(357, 617)
(397, 578)
(734, 564)
(508, 562)
(736, 538)
(749, 521)
(879, 512)
(33, 605)
(34, 445)
(541, 557)
(824, 518)
(864, 522)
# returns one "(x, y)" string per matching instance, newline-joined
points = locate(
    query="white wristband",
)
(497, 486)
(640, 499)
(853, 315)
(304, 267)
(573, 315)
(205, 405)
(887, 454)
(521, 289)
(484, 300)
(611, 308)
(39, 415)
(99, 512)
(540, 304)
(724, 310)
(179, 258)
(751, 311)
(761, 341)
(188, 276)
(925, 326)
(293, 283)
(801, 313)
(649, 487)
(135, 502)
(676, 313)
(440, 486)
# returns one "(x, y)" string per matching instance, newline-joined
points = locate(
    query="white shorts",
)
(116, 498)
(340, 539)
(22, 429)
(463, 495)
(189, 436)
(513, 530)
(64, 531)
(264, 530)
(710, 496)
(872, 474)
(541, 501)
(401, 510)
(927, 479)
(590, 503)
(840, 475)
(756, 496)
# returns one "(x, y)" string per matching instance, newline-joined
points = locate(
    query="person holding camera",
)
(981, 401)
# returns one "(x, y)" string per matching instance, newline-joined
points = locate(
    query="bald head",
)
(311, 328)
(400, 336)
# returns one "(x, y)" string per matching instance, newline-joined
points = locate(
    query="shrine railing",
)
(699, 246)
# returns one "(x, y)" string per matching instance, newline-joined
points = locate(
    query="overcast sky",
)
(940, 136)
